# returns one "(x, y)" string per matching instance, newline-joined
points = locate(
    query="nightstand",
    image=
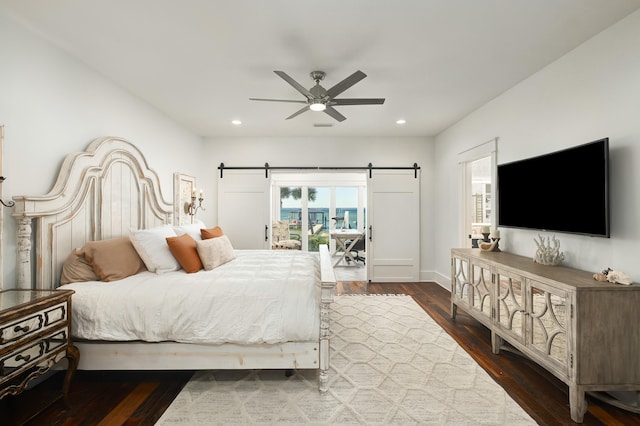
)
(35, 333)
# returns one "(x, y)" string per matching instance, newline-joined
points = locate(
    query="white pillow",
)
(215, 252)
(192, 229)
(151, 245)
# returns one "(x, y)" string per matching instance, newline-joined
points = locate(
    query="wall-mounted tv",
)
(563, 191)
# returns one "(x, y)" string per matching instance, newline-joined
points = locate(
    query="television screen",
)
(564, 191)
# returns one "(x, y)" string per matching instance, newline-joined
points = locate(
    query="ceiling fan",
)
(320, 99)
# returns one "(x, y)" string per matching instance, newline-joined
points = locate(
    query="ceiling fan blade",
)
(297, 113)
(278, 100)
(345, 84)
(335, 114)
(295, 84)
(357, 101)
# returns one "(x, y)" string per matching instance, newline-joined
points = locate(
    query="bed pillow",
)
(113, 259)
(211, 233)
(214, 252)
(77, 269)
(151, 245)
(192, 229)
(183, 248)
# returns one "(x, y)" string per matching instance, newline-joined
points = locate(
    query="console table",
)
(585, 332)
(35, 333)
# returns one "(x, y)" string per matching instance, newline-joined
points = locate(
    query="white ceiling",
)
(435, 61)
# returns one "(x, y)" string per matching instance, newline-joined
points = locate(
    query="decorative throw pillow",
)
(215, 252)
(151, 245)
(211, 233)
(113, 259)
(77, 269)
(192, 229)
(183, 248)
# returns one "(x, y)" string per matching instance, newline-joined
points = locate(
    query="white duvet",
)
(261, 296)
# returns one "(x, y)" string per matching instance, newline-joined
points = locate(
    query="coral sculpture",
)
(548, 254)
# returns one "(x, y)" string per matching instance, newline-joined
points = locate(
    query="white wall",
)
(51, 105)
(590, 93)
(328, 152)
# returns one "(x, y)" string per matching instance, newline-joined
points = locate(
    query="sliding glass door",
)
(314, 204)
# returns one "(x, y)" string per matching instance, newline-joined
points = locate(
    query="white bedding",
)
(261, 296)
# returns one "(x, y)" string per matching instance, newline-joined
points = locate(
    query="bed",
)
(103, 193)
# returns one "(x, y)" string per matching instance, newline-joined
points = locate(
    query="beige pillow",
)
(184, 250)
(76, 269)
(113, 259)
(214, 252)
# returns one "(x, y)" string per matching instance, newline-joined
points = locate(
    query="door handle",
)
(370, 233)
(266, 233)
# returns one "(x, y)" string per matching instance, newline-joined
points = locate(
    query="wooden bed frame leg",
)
(323, 376)
(323, 381)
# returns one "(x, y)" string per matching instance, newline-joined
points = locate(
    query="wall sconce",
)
(10, 203)
(192, 208)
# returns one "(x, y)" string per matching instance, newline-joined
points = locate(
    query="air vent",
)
(322, 125)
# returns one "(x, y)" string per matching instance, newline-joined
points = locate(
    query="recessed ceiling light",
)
(236, 122)
(401, 121)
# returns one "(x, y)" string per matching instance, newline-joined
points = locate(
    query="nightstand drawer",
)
(32, 353)
(27, 326)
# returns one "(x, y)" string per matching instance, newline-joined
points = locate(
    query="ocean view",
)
(319, 216)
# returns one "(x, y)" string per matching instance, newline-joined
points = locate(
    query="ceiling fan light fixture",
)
(317, 106)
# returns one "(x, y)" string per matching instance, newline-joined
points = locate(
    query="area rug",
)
(390, 364)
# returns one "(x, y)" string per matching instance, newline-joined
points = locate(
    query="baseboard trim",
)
(434, 276)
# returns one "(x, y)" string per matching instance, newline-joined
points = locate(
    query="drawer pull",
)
(22, 357)
(17, 328)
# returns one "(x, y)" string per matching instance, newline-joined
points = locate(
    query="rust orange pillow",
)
(211, 233)
(184, 250)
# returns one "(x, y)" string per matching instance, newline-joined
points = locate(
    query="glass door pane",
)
(291, 209)
(318, 217)
(347, 208)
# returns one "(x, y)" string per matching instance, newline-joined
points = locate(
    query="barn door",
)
(243, 208)
(393, 230)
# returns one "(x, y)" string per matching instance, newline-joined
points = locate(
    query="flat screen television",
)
(563, 191)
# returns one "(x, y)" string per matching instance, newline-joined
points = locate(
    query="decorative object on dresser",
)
(585, 332)
(617, 277)
(548, 254)
(490, 240)
(35, 333)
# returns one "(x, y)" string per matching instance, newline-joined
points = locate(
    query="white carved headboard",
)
(99, 194)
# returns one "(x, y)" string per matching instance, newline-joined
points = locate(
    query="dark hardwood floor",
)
(140, 398)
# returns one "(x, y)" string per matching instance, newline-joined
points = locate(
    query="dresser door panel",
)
(510, 304)
(480, 298)
(460, 279)
(549, 319)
